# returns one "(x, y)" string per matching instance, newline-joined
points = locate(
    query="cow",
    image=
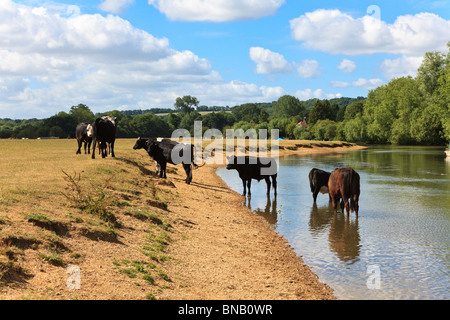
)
(84, 133)
(168, 151)
(105, 129)
(344, 183)
(318, 182)
(256, 168)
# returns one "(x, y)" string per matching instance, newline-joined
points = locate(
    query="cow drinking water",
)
(344, 183)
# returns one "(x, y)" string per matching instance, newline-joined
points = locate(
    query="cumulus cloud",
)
(339, 33)
(400, 67)
(63, 58)
(308, 69)
(216, 10)
(307, 94)
(367, 84)
(339, 84)
(268, 62)
(347, 66)
(115, 6)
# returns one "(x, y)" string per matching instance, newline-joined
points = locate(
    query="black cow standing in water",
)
(105, 129)
(257, 168)
(84, 133)
(318, 182)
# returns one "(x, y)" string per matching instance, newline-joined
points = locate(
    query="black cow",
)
(318, 181)
(257, 168)
(84, 133)
(105, 129)
(168, 151)
(344, 183)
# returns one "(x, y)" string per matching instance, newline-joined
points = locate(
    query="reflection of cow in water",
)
(344, 184)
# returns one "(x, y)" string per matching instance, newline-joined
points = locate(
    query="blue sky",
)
(138, 54)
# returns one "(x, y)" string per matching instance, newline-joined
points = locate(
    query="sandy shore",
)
(223, 250)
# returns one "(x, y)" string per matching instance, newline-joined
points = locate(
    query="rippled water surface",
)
(398, 248)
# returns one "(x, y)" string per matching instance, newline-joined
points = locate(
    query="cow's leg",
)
(89, 147)
(268, 184)
(93, 148)
(245, 186)
(315, 193)
(112, 149)
(188, 170)
(355, 204)
(345, 202)
(162, 174)
(335, 201)
(249, 184)
(274, 183)
(79, 147)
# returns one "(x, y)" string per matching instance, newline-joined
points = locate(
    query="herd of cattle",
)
(342, 185)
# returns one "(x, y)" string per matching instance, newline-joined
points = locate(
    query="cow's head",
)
(90, 131)
(140, 144)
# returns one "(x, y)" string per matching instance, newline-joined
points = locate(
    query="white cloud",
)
(339, 84)
(308, 69)
(268, 62)
(216, 10)
(115, 6)
(307, 94)
(51, 60)
(347, 66)
(367, 84)
(339, 33)
(400, 67)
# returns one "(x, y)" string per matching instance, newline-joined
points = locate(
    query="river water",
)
(398, 248)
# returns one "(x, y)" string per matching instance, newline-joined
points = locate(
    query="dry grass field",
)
(59, 209)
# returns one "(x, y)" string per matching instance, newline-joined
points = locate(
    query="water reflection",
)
(270, 212)
(343, 233)
(344, 239)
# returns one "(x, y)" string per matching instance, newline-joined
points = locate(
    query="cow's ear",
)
(97, 120)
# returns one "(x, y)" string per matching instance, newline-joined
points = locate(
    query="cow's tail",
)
(196, 166)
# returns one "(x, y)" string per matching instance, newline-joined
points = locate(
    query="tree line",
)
(406, 110)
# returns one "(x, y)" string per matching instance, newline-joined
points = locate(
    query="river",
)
(398, 248)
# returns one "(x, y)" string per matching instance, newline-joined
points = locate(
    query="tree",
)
(321, 111)
(82, 113)
(288, 106)
(353, 110)
(429, 72)
(186, 104)
(150, 125)
(249, 112)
